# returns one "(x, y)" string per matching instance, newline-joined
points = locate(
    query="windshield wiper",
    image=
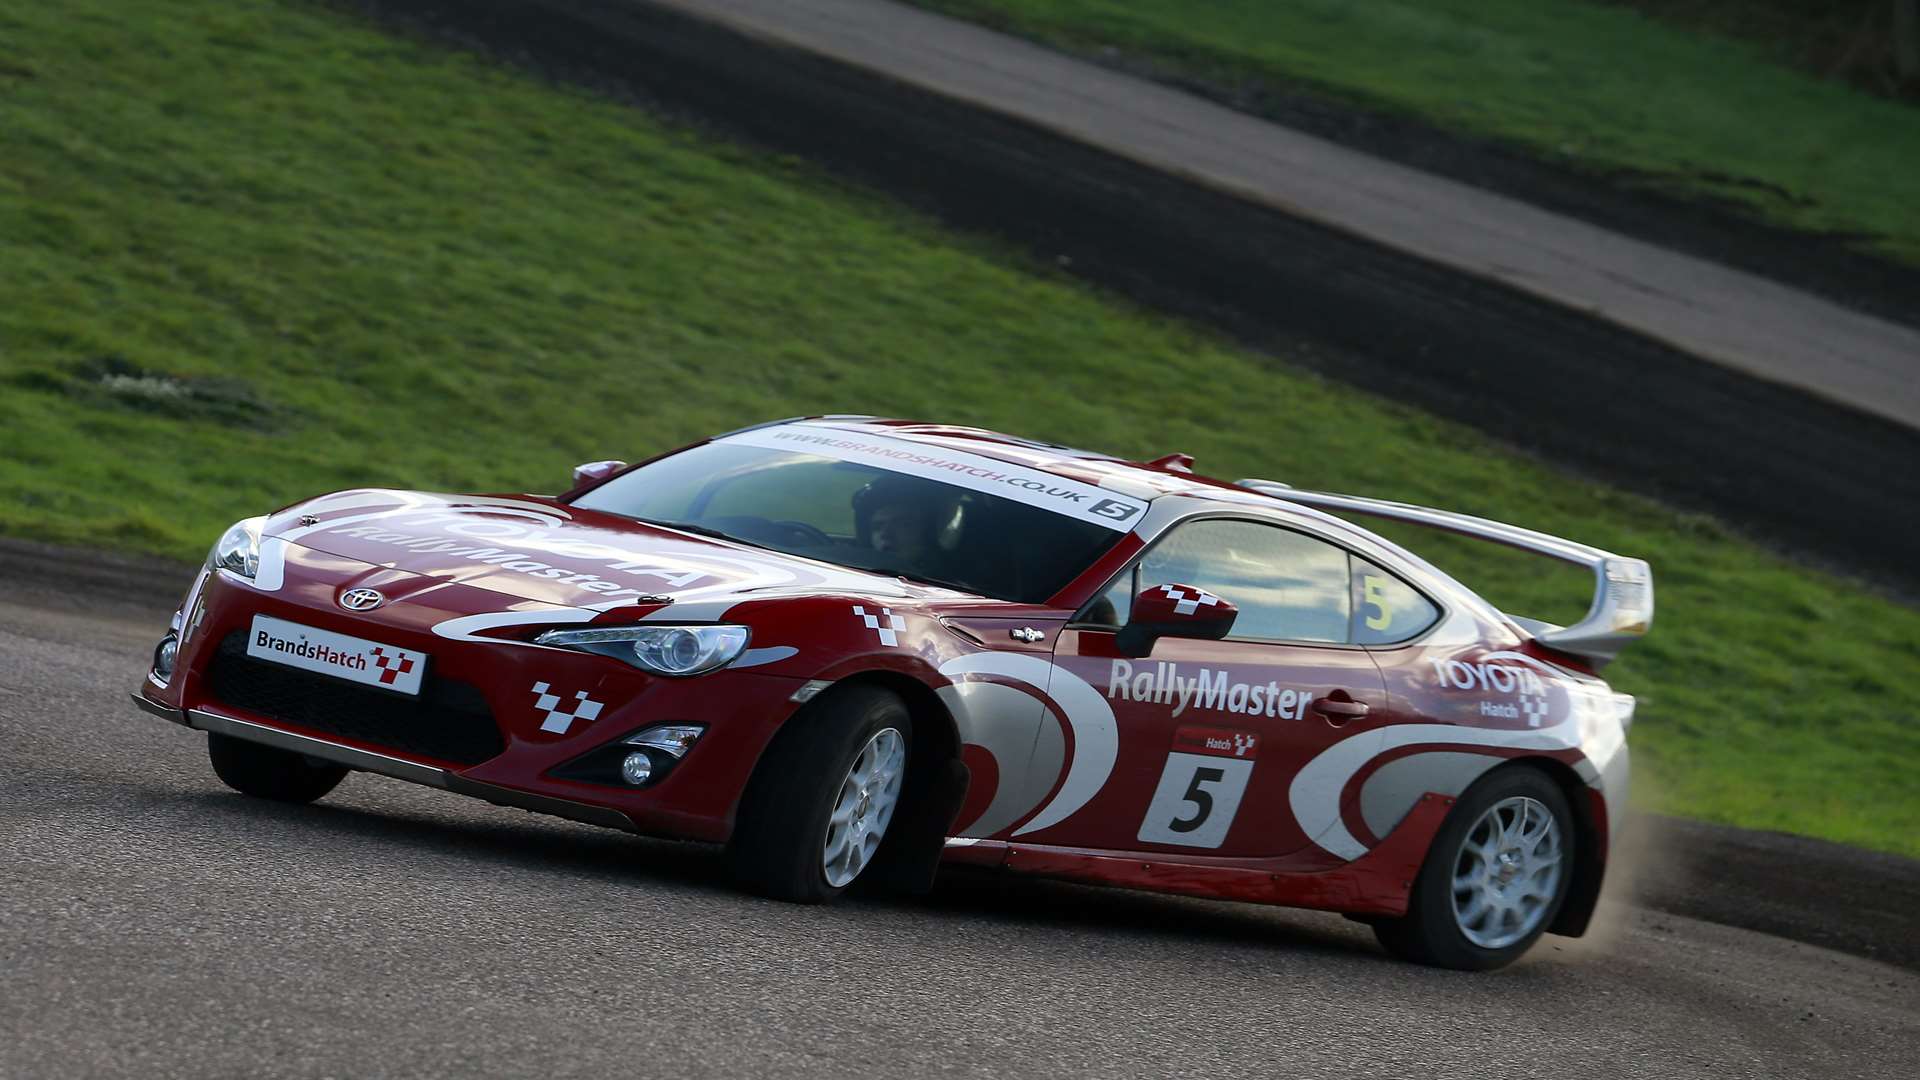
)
(924, 579)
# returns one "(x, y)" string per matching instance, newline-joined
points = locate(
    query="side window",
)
(1114, 606)
(1386, 609)
(1287, 585)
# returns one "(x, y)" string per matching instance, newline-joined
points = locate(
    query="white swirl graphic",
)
(1096, 738)
(1315, 793)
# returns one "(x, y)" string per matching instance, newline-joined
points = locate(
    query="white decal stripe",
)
(272, 571)
(1096, 738)
(1027, 741)
(1034, 487)
(1096, 746)
(387, 503)
(772, 654)
(464, 627)
(395, 498)
(1315, 794)
(187, 621)
(349, 500)
(703, 611)
(1521, 657)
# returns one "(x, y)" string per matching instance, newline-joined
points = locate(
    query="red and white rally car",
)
(852, 648)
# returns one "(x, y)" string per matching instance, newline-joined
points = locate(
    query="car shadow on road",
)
(513, 838)
(500, 837)
(1059, 905)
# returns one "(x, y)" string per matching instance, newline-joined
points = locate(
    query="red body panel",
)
(1155, 698)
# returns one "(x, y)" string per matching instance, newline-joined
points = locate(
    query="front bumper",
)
(387, 765)
(504, 686)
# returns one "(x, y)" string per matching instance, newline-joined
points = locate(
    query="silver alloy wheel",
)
(867, 799)
(1507, 872)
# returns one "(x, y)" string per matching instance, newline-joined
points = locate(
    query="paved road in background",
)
(1581, 392)
(153, 923)
(1733, 318)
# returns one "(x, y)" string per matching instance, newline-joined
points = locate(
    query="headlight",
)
(663, 650)
(167, 654)
(238, 549)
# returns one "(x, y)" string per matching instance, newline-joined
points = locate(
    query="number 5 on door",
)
(1201, 787)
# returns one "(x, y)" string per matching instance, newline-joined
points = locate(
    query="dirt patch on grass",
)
(122, 383)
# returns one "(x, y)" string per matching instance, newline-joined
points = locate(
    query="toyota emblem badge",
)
(361, 599)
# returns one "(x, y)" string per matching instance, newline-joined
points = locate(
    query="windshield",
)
(862, 516)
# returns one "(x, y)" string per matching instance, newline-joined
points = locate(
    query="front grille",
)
(448, 721)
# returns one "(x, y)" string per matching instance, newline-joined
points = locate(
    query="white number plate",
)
(1201, 787)
(343, 657)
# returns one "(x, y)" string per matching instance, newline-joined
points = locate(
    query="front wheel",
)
(269, 773)
(1494, 879)
(818, 808)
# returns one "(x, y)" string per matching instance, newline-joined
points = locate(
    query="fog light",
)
(637, 769)
(164, 657)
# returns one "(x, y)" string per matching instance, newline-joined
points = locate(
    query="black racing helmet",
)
(943, 505)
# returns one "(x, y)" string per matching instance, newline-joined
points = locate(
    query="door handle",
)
(1339, 710)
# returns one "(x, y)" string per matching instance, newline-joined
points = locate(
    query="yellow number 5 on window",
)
(1374, 592)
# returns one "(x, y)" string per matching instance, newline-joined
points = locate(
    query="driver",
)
(903, 530)
(901, 522)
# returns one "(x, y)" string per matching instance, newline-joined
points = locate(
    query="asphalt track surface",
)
(1829, 482)
(152, 923)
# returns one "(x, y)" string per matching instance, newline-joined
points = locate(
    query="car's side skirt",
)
(1377, 883)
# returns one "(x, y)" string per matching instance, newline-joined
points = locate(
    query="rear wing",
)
(1622, 608)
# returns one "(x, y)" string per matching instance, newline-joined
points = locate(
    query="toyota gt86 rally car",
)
(852, 649)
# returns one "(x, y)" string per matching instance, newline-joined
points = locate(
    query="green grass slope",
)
(1600, 87)
(250, 252)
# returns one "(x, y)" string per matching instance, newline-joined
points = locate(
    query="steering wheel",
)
(808, 535)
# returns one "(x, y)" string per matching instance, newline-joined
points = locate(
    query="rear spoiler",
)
(1622, 607)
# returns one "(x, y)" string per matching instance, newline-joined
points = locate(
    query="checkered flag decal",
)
(558, 719)
(1188, 601)
(391, 667)
(1534, 708)
(889, 631)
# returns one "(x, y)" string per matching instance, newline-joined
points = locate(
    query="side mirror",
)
(595, 471)
(1174, 611)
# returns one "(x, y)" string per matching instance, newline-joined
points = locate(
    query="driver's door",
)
(1212, 733)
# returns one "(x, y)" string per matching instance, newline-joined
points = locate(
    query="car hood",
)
(529, 549)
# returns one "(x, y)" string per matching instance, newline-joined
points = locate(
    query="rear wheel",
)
(269, 773)
(818, 809)
(1494, 879)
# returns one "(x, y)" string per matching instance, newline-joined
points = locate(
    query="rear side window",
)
(1387, 610)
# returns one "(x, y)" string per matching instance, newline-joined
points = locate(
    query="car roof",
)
(1145, 480)
(1142, 479)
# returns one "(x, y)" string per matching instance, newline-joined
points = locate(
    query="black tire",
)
(780, 833)
(1430, 933)
(268, 773)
